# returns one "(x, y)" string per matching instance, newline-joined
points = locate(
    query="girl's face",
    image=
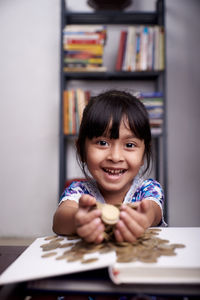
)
(114, 163)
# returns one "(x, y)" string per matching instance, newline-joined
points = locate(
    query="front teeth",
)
(114, 171)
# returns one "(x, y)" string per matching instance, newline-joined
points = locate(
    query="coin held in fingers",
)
(110, 214)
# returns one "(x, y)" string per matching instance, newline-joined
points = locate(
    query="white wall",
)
(183, 58)
(29, 95)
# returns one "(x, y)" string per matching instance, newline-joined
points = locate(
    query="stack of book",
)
(84, 47)
(74, 102)
(141, 48)
(153, 101)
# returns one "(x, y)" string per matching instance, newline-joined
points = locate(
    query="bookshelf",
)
(158, 77)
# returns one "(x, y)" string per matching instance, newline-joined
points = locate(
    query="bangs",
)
(104, 118)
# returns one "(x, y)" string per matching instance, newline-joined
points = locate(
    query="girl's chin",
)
(114, 186)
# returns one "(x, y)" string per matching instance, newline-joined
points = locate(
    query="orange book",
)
(65, 113)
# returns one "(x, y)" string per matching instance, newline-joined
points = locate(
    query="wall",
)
(183, 44)
(29, 95)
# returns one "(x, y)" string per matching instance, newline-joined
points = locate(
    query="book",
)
(65, 112)
(74, 102)
(144, 48)
(129, 57)
(141, 48)
(85, 69)
(182, 268)
(153, 102)
(121, 50)
(83, 47)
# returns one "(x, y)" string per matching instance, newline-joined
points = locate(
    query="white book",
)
(183, 268)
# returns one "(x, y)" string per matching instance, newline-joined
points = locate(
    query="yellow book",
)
(65, 113)
(95, 49)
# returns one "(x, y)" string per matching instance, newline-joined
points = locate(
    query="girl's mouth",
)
(114, 171)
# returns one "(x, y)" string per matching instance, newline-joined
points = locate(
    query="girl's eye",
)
(102, 143)
(130, 145)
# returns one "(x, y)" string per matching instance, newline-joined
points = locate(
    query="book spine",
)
(121, 50)
(143, 48)
(65, 112)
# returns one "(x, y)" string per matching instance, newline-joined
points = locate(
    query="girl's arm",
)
(71, 218)
(64, 218)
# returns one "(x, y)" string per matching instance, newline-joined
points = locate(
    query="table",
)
(96, 282)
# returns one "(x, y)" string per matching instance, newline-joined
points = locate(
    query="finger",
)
(132, 225)
(83, 216)
(118, 236)
(99, 238)
(125, 233)
(86, 200)
(138, 216)
(96, 236)
(88, 228)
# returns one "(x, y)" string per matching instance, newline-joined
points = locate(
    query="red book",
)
(121, 48)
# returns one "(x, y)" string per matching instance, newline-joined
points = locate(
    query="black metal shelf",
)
(122, 75)
(112, 17)
(156, 17)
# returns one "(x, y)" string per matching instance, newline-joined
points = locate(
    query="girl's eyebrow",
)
(129, 136)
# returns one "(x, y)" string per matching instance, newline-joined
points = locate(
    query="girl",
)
(113, 146)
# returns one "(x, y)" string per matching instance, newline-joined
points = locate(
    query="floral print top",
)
(141, 189)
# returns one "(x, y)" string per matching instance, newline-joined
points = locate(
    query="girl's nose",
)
(115, 154)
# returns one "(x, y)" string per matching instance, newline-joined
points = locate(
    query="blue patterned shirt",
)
(140, 189)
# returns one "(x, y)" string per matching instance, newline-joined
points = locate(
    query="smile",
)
(114, 171)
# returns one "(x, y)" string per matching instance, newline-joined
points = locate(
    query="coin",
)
(49, 254)
(147, 248)
(110, 214)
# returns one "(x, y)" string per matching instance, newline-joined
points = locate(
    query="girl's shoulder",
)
(151, 189)
(76, 186)
(144, 188)
(150, 183)
(80, 187)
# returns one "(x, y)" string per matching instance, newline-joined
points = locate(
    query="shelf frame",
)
(112, 18)
(156, 17)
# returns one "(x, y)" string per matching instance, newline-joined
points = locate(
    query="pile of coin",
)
(147, 248)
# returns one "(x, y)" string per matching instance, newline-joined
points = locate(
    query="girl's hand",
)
(133, 222)
(88, 222)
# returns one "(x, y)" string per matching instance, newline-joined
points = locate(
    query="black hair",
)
(111, 107)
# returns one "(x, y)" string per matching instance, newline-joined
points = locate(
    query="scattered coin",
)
(50, 246)
(147, 248)
(49, 254)
(89, 260)
(65, 245)
(51, 237)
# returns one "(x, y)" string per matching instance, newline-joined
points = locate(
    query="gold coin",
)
(49, 254)
(110, 214)
(89, 260)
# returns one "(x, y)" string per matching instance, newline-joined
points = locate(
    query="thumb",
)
(86, 201)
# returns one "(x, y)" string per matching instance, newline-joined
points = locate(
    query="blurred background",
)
(29, 114)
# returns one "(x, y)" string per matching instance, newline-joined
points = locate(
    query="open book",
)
(36, 262)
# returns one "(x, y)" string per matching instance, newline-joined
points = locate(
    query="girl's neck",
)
(113, 198)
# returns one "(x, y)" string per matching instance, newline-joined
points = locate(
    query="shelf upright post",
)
(161, 22)
(62, 144)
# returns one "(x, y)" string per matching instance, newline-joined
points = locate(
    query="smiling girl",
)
(114, 149)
